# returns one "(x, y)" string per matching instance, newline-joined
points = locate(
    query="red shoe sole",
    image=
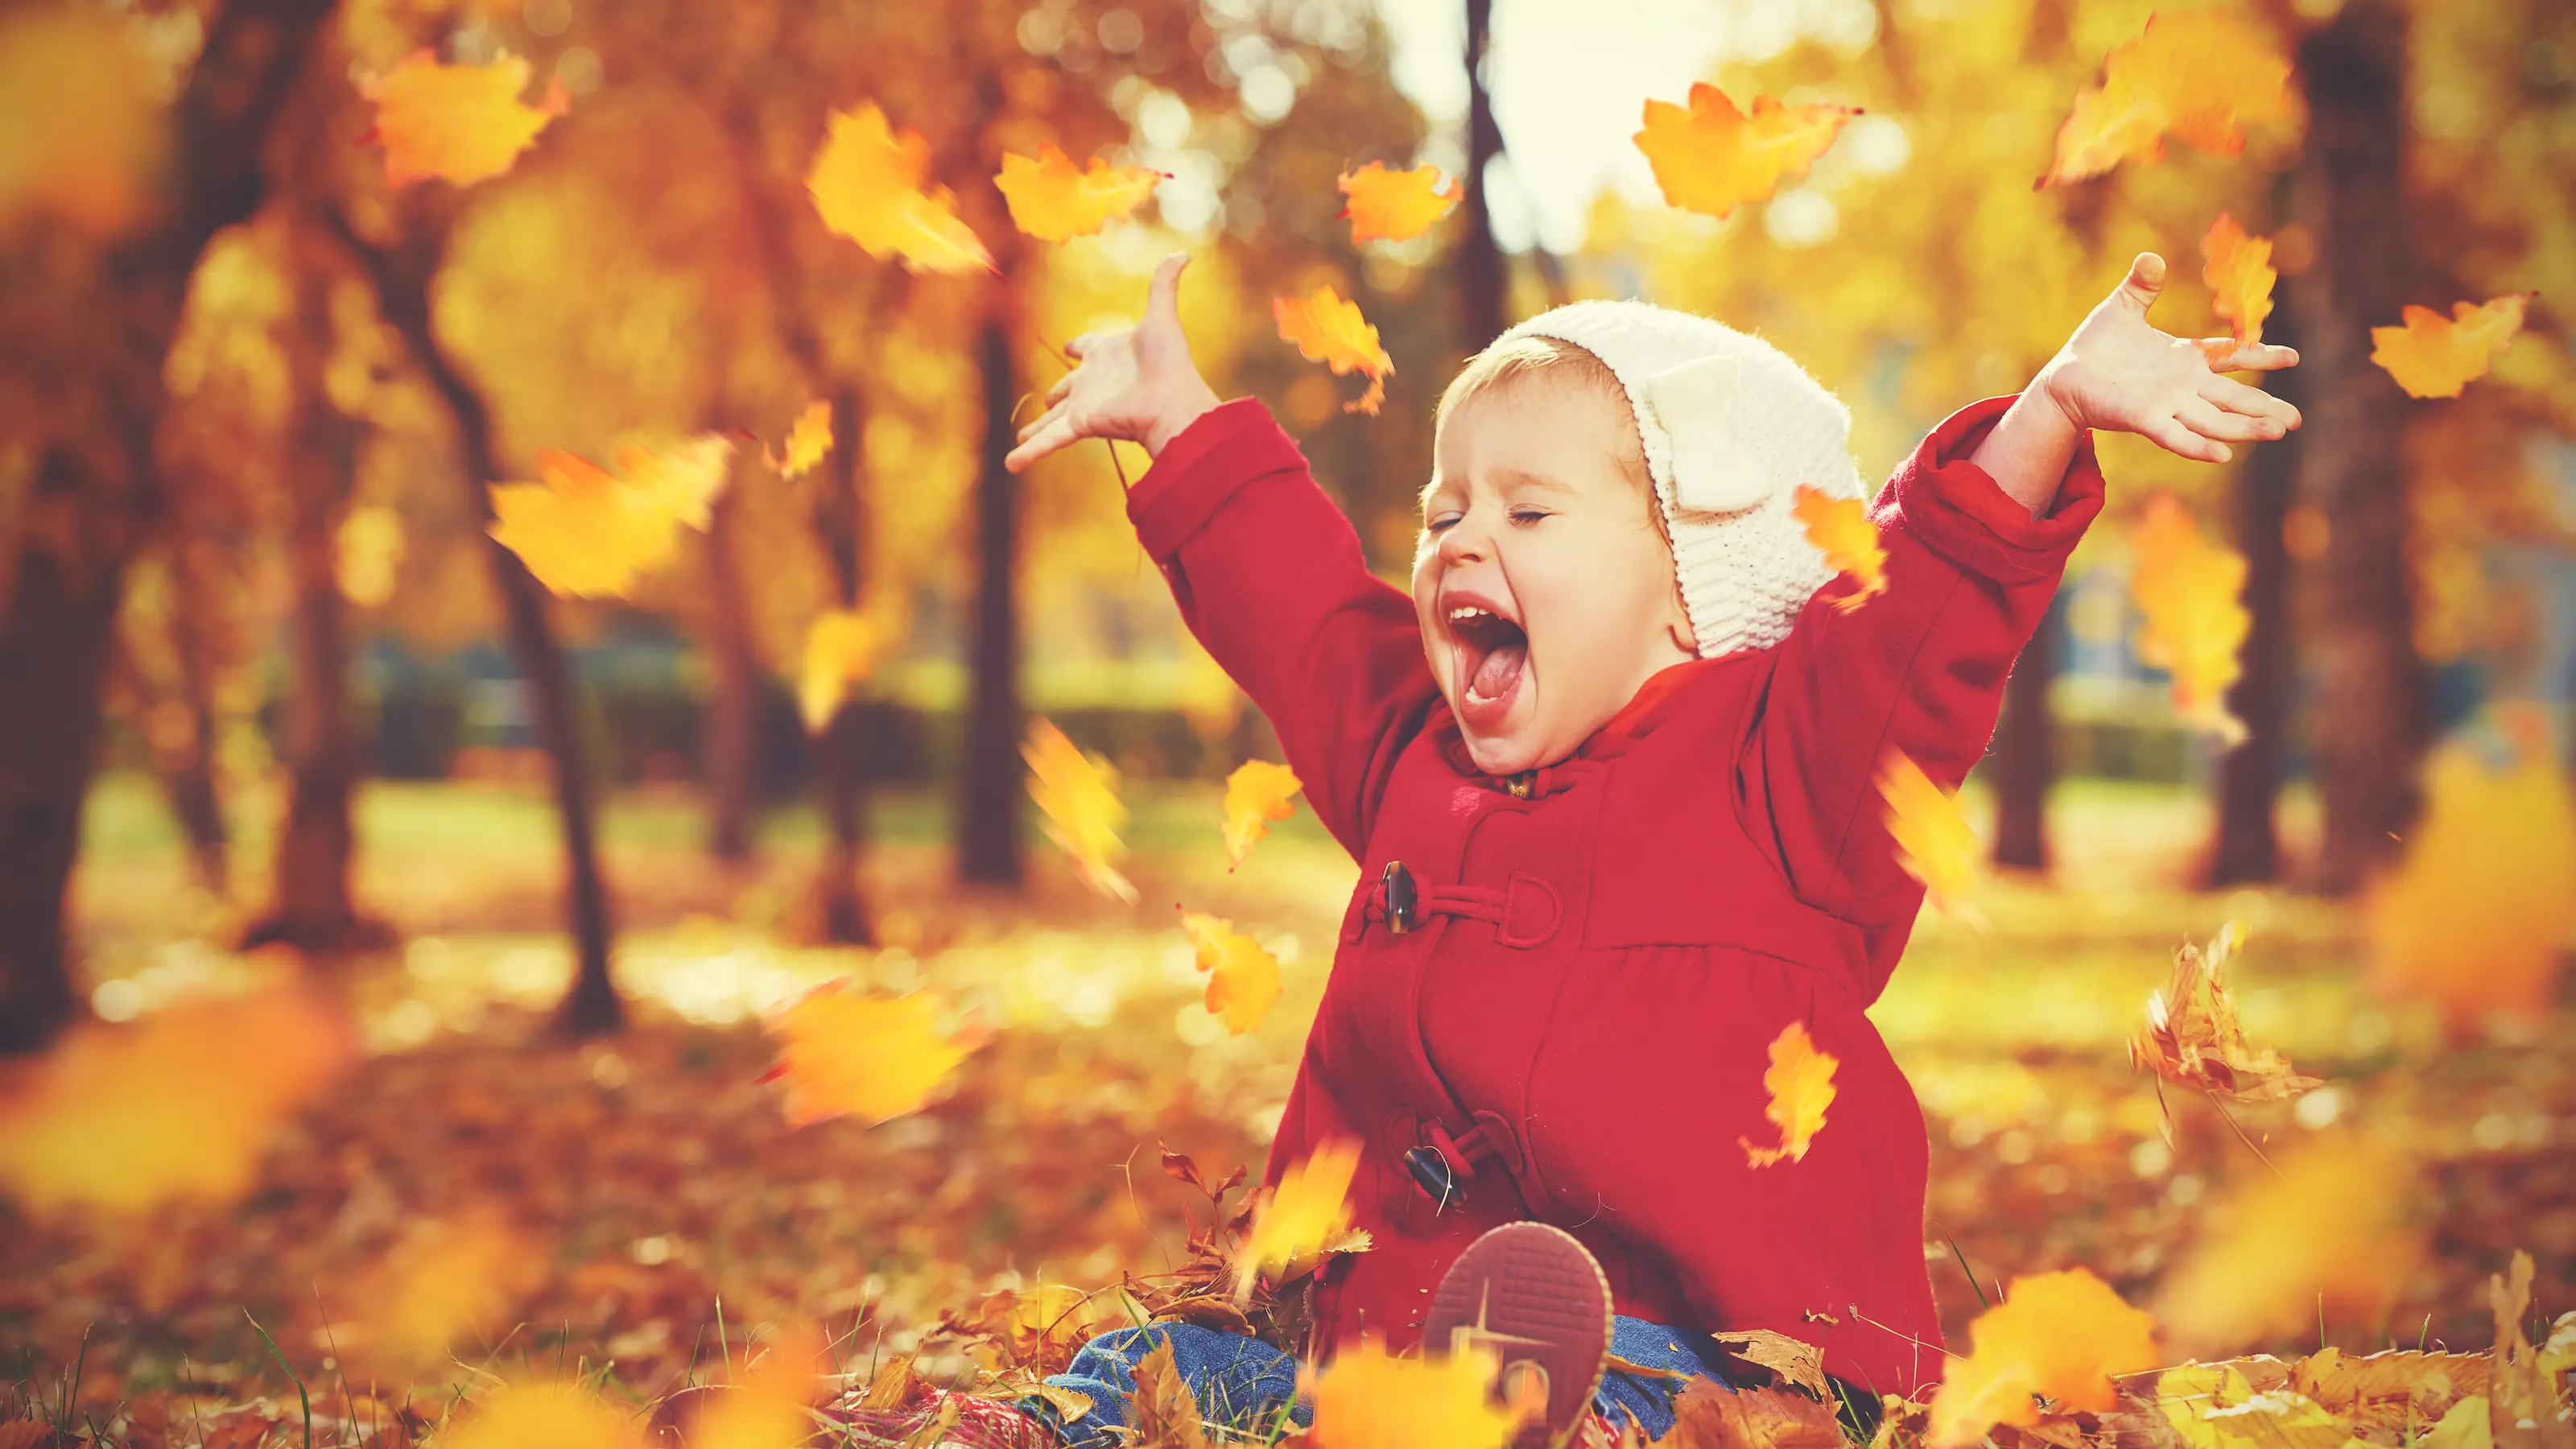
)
(1533, 1296)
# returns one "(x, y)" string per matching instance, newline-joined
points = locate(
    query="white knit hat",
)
(1731, 427)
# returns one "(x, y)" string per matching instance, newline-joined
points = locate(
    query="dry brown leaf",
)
(1707, 1416)
(2527, 1405)
(2192, 1036)
(1163, 1415)
(1796, 1365)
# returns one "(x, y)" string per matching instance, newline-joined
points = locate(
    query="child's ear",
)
(1677, 623)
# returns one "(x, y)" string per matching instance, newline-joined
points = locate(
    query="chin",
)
(1507, 754)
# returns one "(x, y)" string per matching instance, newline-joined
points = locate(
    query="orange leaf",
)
(2477, 914)
(2196, 76)
(458, 123)
(808, 439)
(2436, 356)
(1328, 328)
(868, 185)
(180, 1104)
(1163, 1413)
(1841, 530)
(543, 1416)
(841, 649)
(1933, 840)
(2064, 1335)
(1801, 1083)
(847, 1053)
(1052, 200)
(2330, 1221)
(2192, 1036)
(1243, 979)
(1368, 1399)
(448, 1283)
(588, 533)
(1388, 205)
(1712, 158)
(1306, 1215)
(1078, 792)
(768, 1405)
(2238, 270)
(1255, 794)
(2192, 622)
(1707, 1416)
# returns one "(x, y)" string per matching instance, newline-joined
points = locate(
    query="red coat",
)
(1582, 1018)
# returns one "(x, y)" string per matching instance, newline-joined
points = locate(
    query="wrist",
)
(1175, 419)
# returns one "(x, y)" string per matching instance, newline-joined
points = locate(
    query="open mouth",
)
(1493, 655)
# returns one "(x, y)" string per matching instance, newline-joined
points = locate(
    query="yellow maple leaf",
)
(848, 1053)
(868, 185)
(1243, 979)
(2192, 621)
(2329, 1223)
(2192, 1036)
(1383, 205)
(1255, 794)
(366, 554)
(1801, 1083)
(458, 123)
(1328, 328)
(178, 1105)
(2212, 1406)
(2196, 76)
(1711, 158)
(1078, 793)
(2238, 272)
(2476, 916)
(543, 1416)
(1933, 840)
(1296, 1222)
(808, 439)
(2436, 356)
(588, 533)
(841, 648)
(768, 1406)
(1841, 530)
(2065, 1335)
(1054, 200)
(448, 1283)
(1367, 1398)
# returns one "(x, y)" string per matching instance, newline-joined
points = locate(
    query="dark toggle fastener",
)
(1403, 902)
(1519, 785)
(1432, 1173)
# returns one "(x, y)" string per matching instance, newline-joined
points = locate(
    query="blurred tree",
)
(1481, 284)
(2246, 849)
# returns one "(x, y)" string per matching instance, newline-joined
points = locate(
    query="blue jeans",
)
(1243, 1383)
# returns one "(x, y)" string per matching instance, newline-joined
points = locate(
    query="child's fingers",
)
(1063, 387)
(1056, 431)
(2254, 402)
(2212, 421)
(1030, 428)
(1163, 297)
(2170, 434)
(2145, 282)
(2225, 356)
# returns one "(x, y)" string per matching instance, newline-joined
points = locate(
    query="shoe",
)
(1534, 1298)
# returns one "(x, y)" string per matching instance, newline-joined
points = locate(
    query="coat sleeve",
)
(1920, 668)
(1269, 576)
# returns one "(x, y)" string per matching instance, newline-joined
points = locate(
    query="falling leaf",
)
(1301, 1218)
(1708, 1416)
(1053, 200)
(1841, 530)
(366, 554)
(458, 123)
(2477, 914)
(2064, 1335)
(867, 184)
(841, 648)
(1801, 1083)
(2238, 271)
(450, 1283)
(2196, 76)
(543, 1416)
(1368, 1399)
(2192, 1036)
(2211, 1406)
(1933, 841)
(1328, 328)
(1255, 794)
(768, 1406)
(849, 1053)
(1712, 158)
(588, 533)
(2192, 621)
(808, 439)
(2329, 1225)
(2436, 356)
(1078, 792)
(1163, 1414)
(178, 1105)
(1243, 979)
(1385, 205)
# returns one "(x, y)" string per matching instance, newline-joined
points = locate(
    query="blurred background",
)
(273, 705)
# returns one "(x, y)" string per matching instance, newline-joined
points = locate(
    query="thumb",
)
(1163, 296)
(2146, 281)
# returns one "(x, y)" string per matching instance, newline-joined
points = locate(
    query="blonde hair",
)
(1527, 359)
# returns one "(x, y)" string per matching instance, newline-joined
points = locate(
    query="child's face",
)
(1545, 592)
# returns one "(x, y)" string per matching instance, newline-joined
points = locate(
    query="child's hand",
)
(1139, 385)
(2120, 374)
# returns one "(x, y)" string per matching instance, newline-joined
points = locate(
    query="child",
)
(1609, 776)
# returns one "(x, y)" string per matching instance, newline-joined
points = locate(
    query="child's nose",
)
(1464, 542)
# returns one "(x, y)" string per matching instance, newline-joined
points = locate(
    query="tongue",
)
(1499, 671)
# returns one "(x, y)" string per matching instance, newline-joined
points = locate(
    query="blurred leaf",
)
(1306, 1215)
(841, 649)
(2436, 356)
(1933, 840)
(1053, 200)
(81, 125)
(2238, 271)
(456, 123)
(2063, 1335)
(2192, 622)
(1712, 158)
(846, 1053)
(1840, 528)
(588, 533)
(868, 185)
(2192, 1036)
(1255, 794)
(1078, 792)
(1800, 1080)
(1243, 979)
(2197, 76)
(1388, 205)
(452, 1283)
(2327, 1232)
(542, 1416)
(1328, 328)
(808, 440)
(1367, 1399)
(767, 1407)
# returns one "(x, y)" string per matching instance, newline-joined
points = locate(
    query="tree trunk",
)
(189, 781)
(2371, 710)
(1481, 282)
(989, 814)
(840, 777)
(2248, 848)
(2025, 755)
(729, 755)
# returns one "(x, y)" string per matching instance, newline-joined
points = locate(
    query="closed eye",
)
(1528, 515)
(1440, 523)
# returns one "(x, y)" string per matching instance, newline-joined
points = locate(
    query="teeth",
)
(1464, 613)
